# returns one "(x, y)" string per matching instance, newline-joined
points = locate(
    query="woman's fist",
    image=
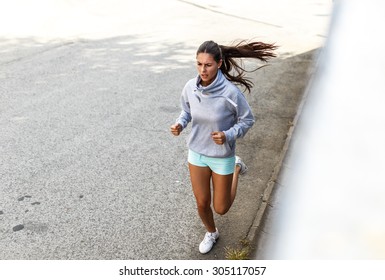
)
(176, 129)
(218, 137)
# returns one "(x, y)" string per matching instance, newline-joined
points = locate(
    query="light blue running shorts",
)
(221, 166)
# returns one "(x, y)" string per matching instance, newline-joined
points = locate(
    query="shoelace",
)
(209, 237)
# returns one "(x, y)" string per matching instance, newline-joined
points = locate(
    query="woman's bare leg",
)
(225, 190)
(200, 181)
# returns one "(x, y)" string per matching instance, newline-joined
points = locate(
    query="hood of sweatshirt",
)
(216, 87)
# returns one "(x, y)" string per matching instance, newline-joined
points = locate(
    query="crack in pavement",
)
(230, 15)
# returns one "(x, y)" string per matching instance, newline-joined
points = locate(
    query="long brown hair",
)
(232, 69)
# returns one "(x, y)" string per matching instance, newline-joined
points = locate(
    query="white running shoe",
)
(208, 242)
(238, 161)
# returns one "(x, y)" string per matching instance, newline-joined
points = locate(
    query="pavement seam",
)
(229, 15)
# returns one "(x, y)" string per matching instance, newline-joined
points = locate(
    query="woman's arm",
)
(245, 120)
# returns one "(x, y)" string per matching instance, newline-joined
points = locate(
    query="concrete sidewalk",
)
(296, 26)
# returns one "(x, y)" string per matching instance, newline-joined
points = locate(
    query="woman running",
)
(219, 114)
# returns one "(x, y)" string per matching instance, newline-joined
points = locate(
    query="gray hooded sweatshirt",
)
(220, 106)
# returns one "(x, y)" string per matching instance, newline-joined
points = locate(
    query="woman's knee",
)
(203, 205)
(221, 209)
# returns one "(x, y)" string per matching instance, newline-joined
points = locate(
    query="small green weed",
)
(238, 253)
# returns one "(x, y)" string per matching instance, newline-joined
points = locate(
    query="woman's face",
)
(207, 68)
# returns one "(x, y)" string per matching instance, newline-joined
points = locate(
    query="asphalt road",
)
(89, 169)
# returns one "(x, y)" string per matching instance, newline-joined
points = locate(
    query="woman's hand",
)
(176, 129)
(218, 137)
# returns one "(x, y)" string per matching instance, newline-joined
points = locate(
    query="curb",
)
(252, 235)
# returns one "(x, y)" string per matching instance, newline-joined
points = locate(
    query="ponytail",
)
(232, 70)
